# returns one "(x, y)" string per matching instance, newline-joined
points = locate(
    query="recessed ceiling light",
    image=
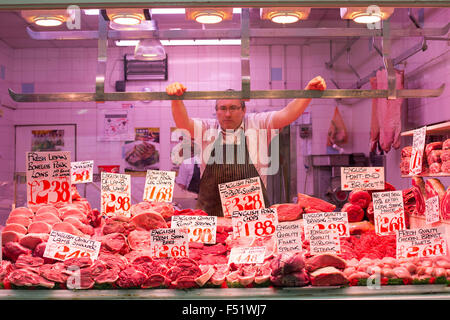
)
(48, 21)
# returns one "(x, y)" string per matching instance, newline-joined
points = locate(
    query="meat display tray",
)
(301, 293)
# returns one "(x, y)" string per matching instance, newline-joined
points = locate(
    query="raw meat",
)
(419, 201)
(68, 228)
(131, 278)
(288, 211)
(28, 278)
(435, 167)
(148, 221)
(31, 240)
(309, 202)
(445, 155)
(15, 227)
(434, 187)
(445, 206)
(370, 213)
(432, 146)
(166, 210)
(18, 219)
(374, 126)
(118, 224)
(21, 211)
(39, 227)
(39, 252)
(419, 183)
(360, 197)
(115, 243)
(74, 213)
(354, 212)
(139, 239)
(54, 272)
(404, 165)
(207, 272)
(445, 167)
(325, 260)
(389, 113)
(434, 157)
(84, 228)
(406, 152)
(328, 276)
(49, 209)
(221, 270)
(109, 276)
(113, 261)
(26, 261)
(47, 217)
(286, 263)
(11, 236)
(295, 279)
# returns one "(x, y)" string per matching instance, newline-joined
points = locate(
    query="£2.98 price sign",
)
(159, 186)
(115, 194)
(421, 243)
(254, 223)
(169, 243)
(48, 178)
(63, 246)
(241, 195)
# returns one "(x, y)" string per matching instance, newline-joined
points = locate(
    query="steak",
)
(47, 209)
(118, 224)
(309, 202)
(47, 217)
(131, 278)
(288, 211)
(107, 276)
(28, 278)
(148, 221)
(15, 227)
(328, 276)
(325, 260)
(39, 227)
(11, 236)
(285, 263)
(84, 228)
(295, 279)
(19, 219)
(21, 211)
(115, 243)
(139, 239)
(31, 240)
(54, 272)
(27, 261)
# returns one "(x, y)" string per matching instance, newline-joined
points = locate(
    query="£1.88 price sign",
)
(254, 223)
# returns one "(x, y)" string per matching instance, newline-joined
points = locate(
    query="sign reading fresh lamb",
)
(48, 178)
(247, 255)
(362, 178)
(324, 241)
(115, 194)
(240, 195)
(254, 223)
(159, 186)
(327, 220)
(200, 228)
(389, 213)
(63, 246)
(421, 243)
(289, 236)
(415, 164)
(169, 243)
(82, 171)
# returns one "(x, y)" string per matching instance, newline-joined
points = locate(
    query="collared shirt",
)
(186, 171)
(258, 132)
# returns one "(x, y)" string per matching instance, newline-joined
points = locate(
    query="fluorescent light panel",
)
(199, 42)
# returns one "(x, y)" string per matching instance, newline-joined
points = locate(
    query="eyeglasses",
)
(231, 108)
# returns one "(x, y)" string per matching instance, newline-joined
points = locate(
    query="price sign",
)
(62, 246)
(289, 236)
(169, 243)
(254, 223)
(389, 212)
(48, 178)
(241, 195)
(422, 243)
(159, 186)
(363, 178)
(82, 171)
(247, 255)
(324, 241)
(200, 228)
(327, 220)
(432, 210)
(115, 194)
(415, 164)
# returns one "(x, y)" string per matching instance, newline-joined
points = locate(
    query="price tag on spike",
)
(415, 164)
(159, 186)
(115, 194)
(254, 223)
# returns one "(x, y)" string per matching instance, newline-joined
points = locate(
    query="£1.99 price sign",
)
(63, 246)
(241, 195)
(421, 243)
(200, 228)
(254, 223)
(48, 178)
(169, 243)
(115, 194)
(159, 186)
(327, 220)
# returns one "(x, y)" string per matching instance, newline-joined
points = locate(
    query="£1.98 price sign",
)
(159, 186)
(254, 223)
(169, 243)
(115, 194)
(241, 195)
(421, 243)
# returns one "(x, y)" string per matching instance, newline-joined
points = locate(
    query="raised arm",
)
(179, 112)
(296, 107)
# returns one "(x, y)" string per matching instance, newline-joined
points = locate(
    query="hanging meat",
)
(445, 205)
(374, 126)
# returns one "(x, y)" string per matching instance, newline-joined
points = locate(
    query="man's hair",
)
(242, 101)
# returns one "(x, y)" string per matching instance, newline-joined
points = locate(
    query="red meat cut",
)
(285, 263)
(328, 276)
(55, 272)
(360, 197)
(131, 278)
(309, 202)
(434, 187)
(354, 212)
(325, 260)
(139, 239)
(15, 227)
(432, 146)
(11, 236)
(25, 221)
(28, 278)
(446, 144)
(21, 211)
(148, 221)
(39, 227)
(115, 243)
(118, 224)
(31, 240)
(47, 217)
(68, 228)
(288, 211)
(445, 205)
(27, 261)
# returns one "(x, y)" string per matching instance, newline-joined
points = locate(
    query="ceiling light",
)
(45, 18)
(285, 15)
(91, 12)
(126, 43)
(128, 17)
(370, 14)
(209, 15)
(149, 50)
(202, 42)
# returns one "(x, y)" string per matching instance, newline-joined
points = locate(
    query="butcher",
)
(229, 129)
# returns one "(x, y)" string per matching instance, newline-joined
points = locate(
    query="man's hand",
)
(318, 83)
(175, 89)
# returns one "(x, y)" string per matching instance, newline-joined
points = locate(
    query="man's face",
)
(229, 113)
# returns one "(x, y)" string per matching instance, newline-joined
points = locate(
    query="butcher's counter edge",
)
(394, 292)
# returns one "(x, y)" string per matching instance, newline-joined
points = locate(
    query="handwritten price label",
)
(415, 164)
(159, 186)
(200, 228)
(62, 246)
(115, 194)
(422, 243)
(241, 195)
(48, 178)
(327, 220)
(169, 243)
(363, 178)
(82, 171)
(254, 223)
(432, 210)
(289, 236)
(247, 255)
(389, 214)
(324, 241)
